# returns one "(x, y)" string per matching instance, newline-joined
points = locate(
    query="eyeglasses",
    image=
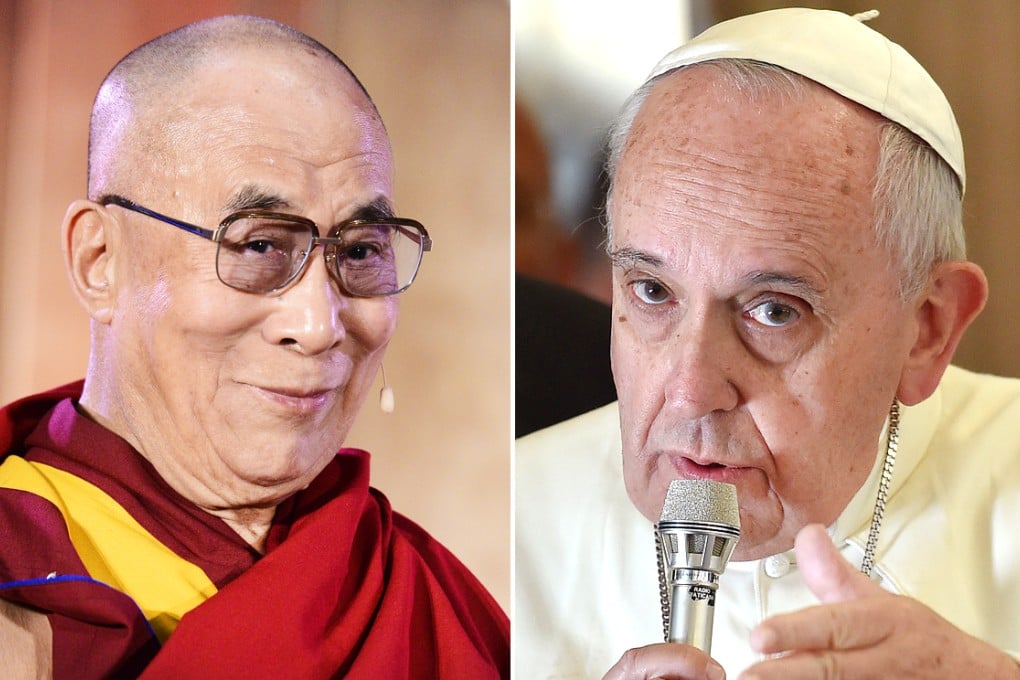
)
(262, 252)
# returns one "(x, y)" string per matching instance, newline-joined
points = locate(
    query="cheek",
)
(822, 429)
(635, 380)
(203, 339)
(625, 346)
(637, 366)
(627, 366)
(369, 323)
(172, 288)
(212, 314)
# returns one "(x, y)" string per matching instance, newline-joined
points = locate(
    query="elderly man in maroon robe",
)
(184, 511)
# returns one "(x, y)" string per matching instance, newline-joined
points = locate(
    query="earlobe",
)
(956, 294)
(88, 240)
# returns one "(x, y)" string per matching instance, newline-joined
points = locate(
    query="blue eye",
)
(774, 314)
(651, 292)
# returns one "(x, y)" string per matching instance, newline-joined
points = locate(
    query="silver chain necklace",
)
(868, 563)
(891, 445)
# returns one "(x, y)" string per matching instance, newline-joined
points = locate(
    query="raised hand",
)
(862, 631)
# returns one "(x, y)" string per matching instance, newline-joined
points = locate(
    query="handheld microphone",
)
(695, 537)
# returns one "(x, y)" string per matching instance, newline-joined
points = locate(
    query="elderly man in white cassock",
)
(789, 287)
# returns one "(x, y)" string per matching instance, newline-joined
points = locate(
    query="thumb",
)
(829, 576)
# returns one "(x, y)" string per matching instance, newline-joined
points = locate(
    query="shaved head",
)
(132, 117)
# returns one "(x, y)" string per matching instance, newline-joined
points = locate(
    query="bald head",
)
(129, 114)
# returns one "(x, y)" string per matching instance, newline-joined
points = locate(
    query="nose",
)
(308, 313)
(702, 362)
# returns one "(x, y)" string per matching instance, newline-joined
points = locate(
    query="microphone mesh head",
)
(701, 500)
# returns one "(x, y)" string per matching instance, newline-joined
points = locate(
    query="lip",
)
(299, 400)
(689, 468)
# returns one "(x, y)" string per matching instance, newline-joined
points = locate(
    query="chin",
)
(754, 546)
(282, 474)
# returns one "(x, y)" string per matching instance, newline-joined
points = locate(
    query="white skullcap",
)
(838, 51)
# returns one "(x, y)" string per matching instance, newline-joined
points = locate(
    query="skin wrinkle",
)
(239, 173)
(746, 170)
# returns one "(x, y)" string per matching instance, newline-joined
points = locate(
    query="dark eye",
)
(361, 251)
(259, 236)
(650, 292)
(260, 246)
(774, 314)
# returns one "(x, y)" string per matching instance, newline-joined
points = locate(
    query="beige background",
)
(439, 73)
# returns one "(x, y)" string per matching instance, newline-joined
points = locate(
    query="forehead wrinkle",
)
(762, 153)
(787, 256)
(679, 205)
(722, 181)
(675, 220)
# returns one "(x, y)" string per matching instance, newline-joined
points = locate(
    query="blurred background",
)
(439, 72)
(577, 60)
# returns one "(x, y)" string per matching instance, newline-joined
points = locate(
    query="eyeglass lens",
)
(261, 254)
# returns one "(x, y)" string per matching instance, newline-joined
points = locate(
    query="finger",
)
(829, 576)
(812, 665)
(850, 625)
(666, 662)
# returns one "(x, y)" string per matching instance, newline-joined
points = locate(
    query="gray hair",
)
(146, 80)
(917, 197)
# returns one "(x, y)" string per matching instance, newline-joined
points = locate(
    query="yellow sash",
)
(114, 547)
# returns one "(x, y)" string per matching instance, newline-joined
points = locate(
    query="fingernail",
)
(715, 672)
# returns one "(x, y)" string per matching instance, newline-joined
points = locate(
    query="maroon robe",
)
(347, 587)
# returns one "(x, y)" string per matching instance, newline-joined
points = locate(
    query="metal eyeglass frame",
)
(217, 237)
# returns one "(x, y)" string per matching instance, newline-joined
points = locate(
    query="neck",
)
(251, 524)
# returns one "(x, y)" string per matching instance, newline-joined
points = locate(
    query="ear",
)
(88, 237)
(956, 294)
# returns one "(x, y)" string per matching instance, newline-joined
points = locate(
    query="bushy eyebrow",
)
(253, 197)
(798, 284)
(628, 257)
(380, 208)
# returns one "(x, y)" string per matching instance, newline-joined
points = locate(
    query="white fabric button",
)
(777, 565)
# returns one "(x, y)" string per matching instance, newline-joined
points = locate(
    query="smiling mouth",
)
(297, 400)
